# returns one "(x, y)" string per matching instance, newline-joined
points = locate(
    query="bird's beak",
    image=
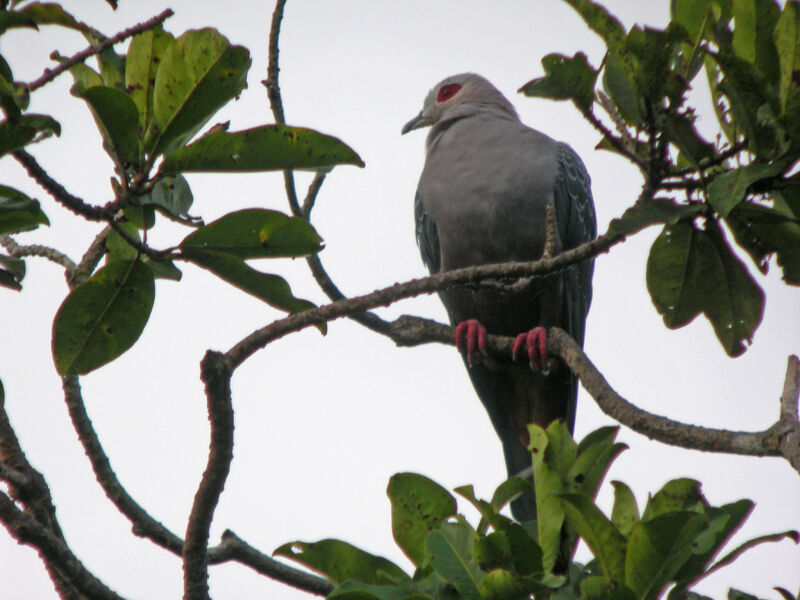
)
(419, 121)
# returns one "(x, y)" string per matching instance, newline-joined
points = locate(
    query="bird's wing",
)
(427, 236)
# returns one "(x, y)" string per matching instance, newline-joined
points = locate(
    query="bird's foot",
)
(535, 342)
(469, 336)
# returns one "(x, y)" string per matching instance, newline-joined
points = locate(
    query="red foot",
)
(536, 344)
(475, 336)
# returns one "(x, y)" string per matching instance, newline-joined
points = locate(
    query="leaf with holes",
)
(199, 73)
(419, 505)
(692, 271)
(340, 561)
(102, 317)
(141, 66)
(265, 148)
(565, 79)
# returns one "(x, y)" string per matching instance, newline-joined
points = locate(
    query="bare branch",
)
(789, 426)
(50, 254)
(91, 258)
(27, 530)
(311, 194)
(50, 74)
(234, 548)
(216, 374)
(551, 234)
(57, 191)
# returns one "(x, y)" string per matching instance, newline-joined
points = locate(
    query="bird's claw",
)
(470, 335)
(535, 342)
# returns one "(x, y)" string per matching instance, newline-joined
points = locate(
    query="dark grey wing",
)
(577, 223)
(427, 236)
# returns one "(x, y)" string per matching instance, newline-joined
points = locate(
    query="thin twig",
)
(550, 232)
(50, 74)
(50, 254)
(216, 374)
(311, 194)
(617, 143)
(91, 258)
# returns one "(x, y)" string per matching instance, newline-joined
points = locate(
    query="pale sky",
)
(323, 422)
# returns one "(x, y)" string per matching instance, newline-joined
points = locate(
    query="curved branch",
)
(216, 374)
(50, 254)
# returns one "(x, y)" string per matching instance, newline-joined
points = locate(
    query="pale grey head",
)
(459, 96)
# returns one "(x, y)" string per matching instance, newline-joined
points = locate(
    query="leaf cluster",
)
(673, 541)
(149, 105)
(740, 193)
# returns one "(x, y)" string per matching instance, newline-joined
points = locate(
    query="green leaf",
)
(270, 288)
(738, 551)
(357, 590)
(102, 317)
(18, 212)
(565, 79)
(676, 495)
(500, 584)
(658, 548)
(12, 273)
(754, 23)
(650, 212)
(690, 271)
(170, 194)
(549, 512)
(117, 119)
(112, 67)
(680, 130)
(265, 148)
(450, 551)
(508, 490)
(9, 280)
(39, 13)
(602, 23)
(14, 135)
(762, 232)
(588, 470)
(619, 86)
(605, 542)
(625, 513)
(728, 189)
(85, 77)
(787, 43)
(340, 561)
(419, 505)
(255, 233)
(141, 66)
(692, 14)
(601, 435)
(596, 587)
(143, 217)
(199, 73)
(118, 248)
(163, 269)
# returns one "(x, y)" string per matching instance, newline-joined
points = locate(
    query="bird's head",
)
(456, 97)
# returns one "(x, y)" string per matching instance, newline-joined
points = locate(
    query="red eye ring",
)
(447, 91)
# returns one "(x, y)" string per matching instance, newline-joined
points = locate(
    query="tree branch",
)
(91, 258)
(50, 74)
(216, 374)
(50, 254)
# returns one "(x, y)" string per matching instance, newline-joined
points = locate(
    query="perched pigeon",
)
(482, 198)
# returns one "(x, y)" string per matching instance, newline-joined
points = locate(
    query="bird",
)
(481, 199)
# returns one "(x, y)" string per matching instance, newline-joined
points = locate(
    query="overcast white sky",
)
(322, 423)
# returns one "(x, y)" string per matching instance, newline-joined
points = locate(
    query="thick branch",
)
(50, 74)
(91, 258)
(216, 374)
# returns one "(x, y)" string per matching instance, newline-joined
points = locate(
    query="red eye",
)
(448, 91)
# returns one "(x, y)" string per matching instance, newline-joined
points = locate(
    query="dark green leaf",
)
(256, 233)
(340, 561)
(171, 194)
(357, 590)
(602, 588)
(102, 317)
(270, 288)
(690, 271)
(646, 213)
(39, 13)
(500, 584)
(141, 66)
(625, 513)
(9, 280)
(16, 266)
(526, 555)
(163, 269)
(508, 490)
(116, 117)
(143, 217)
(676, 495)
(14, 135)
(588, 470)
(602, 23)
(493, 551)
(655, 51)
(601, 435)
(754, 23)
(619, 86)
(787, 42)
(680, 130)
(565, 79)
(265, 148)
(605, 542)
(728, 189)
(738, 551)
(199, 73)
(763, 231)
(118, 248)
(112, 68)
(450, 552)
(658, 548)
(692, 14)
(419, 505)
(18, 212)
